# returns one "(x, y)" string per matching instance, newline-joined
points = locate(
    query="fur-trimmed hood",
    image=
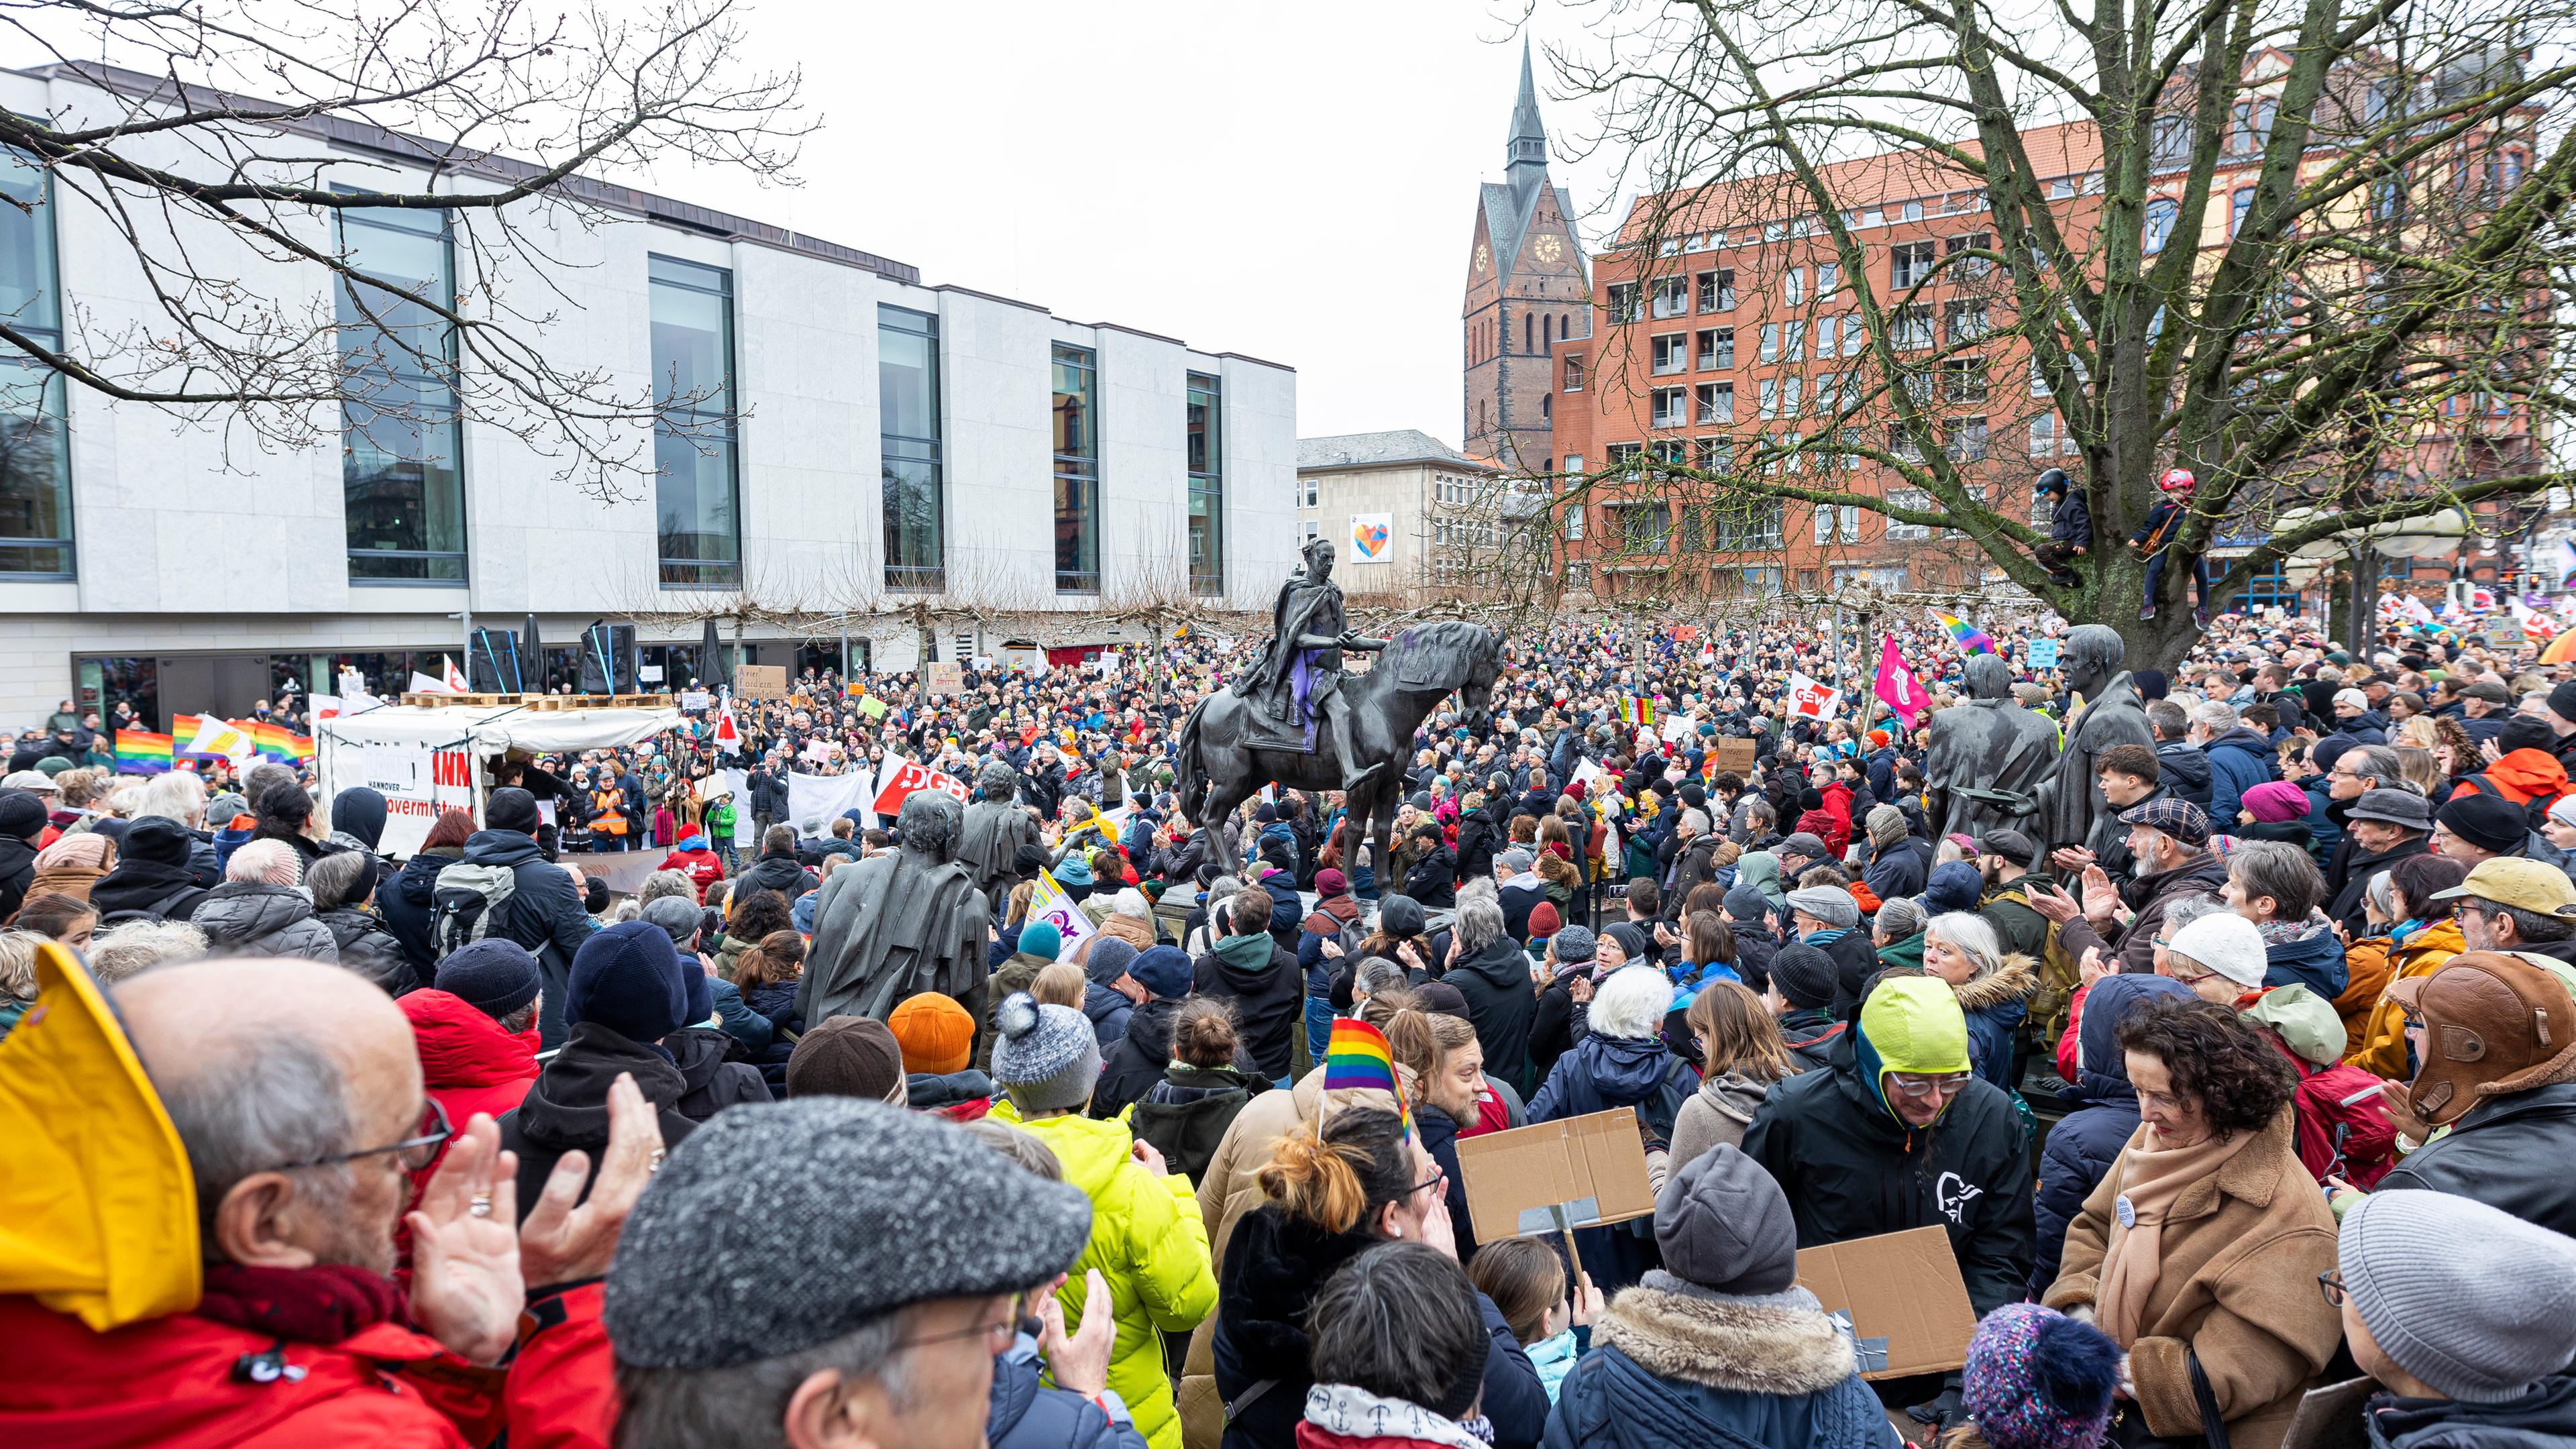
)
(2011, 983)
(1774, 1345)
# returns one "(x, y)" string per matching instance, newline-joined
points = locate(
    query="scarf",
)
(1352, 1412)
(2406, 930)
(1827, 936)
(2151, 1178)
(326, 1304)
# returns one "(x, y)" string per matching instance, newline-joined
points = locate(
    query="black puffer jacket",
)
(1131, 1067)
(253, 918)
(1269, 994)
(367, 948)
(544, 913)
(778, 873)
(567, 1106)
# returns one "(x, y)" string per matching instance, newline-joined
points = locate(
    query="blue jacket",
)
(2239, 760)
(2324, 832)
(1995, 1007)
(2080, 1149)
(1026, 1414)
(1674, 1370)
(2314, 960)
(1899, 870)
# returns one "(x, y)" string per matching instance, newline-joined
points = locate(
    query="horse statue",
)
(1218, 770)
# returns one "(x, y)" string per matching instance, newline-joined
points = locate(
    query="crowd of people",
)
(467, 1148)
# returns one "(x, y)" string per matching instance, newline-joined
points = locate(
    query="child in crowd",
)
(1526, 1279)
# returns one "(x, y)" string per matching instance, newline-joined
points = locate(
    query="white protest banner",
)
(1584, 775)
(1810, 700)
(696, 699)
(1048, 902)
(817, 800)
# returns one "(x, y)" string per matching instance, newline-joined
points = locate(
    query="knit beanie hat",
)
(1886, 825)
(1913, 1024)
(2226, 943)
(2489, 822)
(848, 1056)
(1163, 970)
(1574, 944)
(2562, 703)
(1804, 976)
(2037, 1379)
(937, 1035)
(1724, 1225)
(1544, 921)
(511, 808)
(1399, 915)
(863, 1207)
(1041, 938)
(2275, 802)
(166, 842)
(627, 979)
(1954, 886)
(1109, 959)
(2477, 1324)
(495, 976)
(1830, 904)
(1745, 903)
(1046, 1057)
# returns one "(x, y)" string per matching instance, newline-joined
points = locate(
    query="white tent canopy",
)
(427, 760)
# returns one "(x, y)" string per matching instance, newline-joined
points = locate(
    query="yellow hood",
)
(98, 1210)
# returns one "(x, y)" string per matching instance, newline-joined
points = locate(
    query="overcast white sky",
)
(1299, 189)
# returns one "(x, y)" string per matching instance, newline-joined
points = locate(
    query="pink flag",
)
(1897, 684)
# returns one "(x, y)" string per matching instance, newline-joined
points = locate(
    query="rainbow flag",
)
(1357, 1056)
(1637, 709)
(141, 752)
(1969, 638)
(278, 742)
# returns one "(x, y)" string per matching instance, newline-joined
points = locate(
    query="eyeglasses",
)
(417, 1152)
(1918, 1086)
(1438, 1175)
(2330, 1283)
(996, 1336)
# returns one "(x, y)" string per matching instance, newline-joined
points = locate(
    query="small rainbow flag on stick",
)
(1637, 709)
(1357, 1056)
(1969, 638)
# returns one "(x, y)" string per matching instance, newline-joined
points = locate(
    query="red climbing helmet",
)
(2177, 480)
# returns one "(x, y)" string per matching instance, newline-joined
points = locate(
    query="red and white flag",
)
(728, 734)
(947, 784)
(898, 778)
(454, 676)
(1810, 700)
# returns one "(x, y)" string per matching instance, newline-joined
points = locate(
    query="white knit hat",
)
(2226, 943)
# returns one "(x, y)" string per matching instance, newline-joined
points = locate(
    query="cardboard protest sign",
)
(1736, 755)
(1902, 1295)
(1579, 1172)
(761, 681)
(947, 677)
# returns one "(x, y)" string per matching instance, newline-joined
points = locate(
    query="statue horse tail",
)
(1189, 771)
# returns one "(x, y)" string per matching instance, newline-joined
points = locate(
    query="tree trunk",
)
(2113, 585)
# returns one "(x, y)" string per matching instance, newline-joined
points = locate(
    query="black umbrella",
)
(712, 674)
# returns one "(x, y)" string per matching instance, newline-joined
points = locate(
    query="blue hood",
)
(2315, 961)
(2103, 1074)
(1623, 1070)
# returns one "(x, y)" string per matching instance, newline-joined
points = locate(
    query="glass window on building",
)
(35, 453)
(696, 518)
(915, 498)
(1207, 484)
(402, 474)
(1077, 471)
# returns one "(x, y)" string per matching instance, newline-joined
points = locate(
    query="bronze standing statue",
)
(1293, 719)
(899, 923)
(2071, 809)
(1987, 756)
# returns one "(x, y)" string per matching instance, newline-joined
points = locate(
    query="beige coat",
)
(2242, 1251)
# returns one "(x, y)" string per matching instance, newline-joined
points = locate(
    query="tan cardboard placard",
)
(2333, 1416)
(761, 681)
(1736, 755)
(1580, 1172)
(947, 677)
(1908, 1305)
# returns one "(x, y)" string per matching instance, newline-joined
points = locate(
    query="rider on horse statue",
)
(1300, 677)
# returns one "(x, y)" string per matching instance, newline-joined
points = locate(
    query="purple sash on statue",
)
(1301, 682)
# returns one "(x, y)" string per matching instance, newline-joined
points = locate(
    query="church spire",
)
(1527, 148)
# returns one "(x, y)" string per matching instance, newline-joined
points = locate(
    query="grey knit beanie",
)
(1724, 1225)
(2481, 1325)
(1886, 825)
(1109, 959)
(1047, 1057)
(1573, 944)
(778, 1226)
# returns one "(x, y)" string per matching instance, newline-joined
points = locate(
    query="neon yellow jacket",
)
(1151, 1247)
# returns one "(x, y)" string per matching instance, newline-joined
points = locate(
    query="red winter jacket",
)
(467, 1062)
(169, 1383)
(563, 1391)
(701, 865)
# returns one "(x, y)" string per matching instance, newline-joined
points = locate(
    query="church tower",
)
(1528, 288)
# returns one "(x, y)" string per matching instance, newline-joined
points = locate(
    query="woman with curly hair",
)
(2199, 1251)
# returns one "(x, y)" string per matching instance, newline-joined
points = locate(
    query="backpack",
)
(157, 911)
(465, 904)
(2353, 1140)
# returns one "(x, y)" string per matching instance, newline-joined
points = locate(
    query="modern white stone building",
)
(907, 458)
